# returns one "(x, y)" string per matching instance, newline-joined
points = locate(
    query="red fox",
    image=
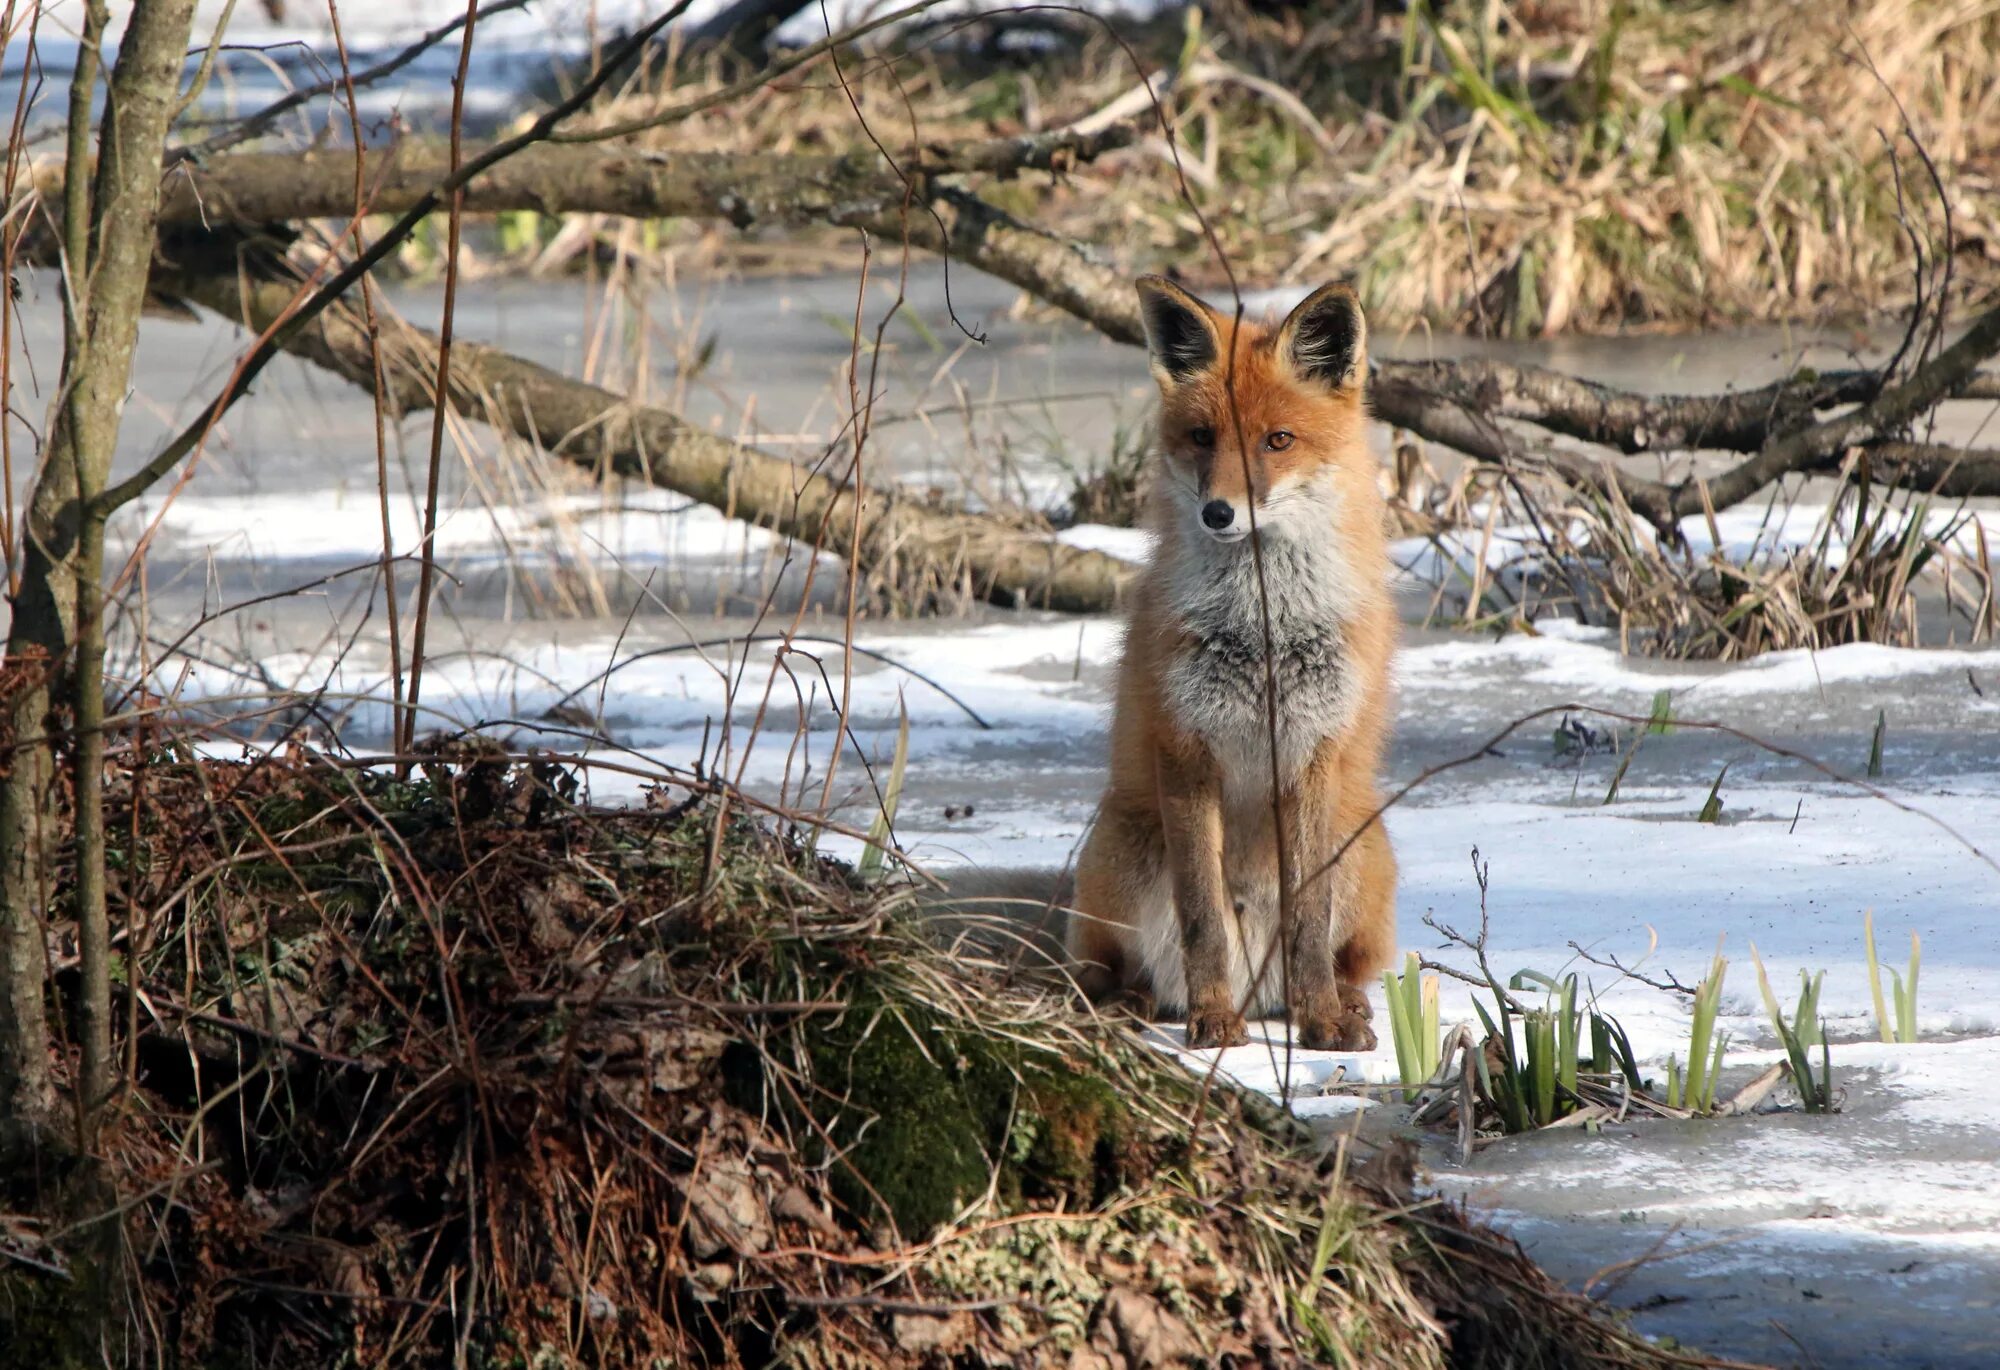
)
(1261, 440)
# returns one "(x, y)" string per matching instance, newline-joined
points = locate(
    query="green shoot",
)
(1674, 1084)
(1906, 995)
(1661, 721)
(1815, 1093)
(875, 854)
(1806, 1019)
(1902, 1027)
(1624, 763)
(1568, 1023)
(1703, 1044)
(1884, 1025)
(1413, 1021)
(1506, 1092)
(1538, 1083)
(1711, 811)
(1611, 1050)
(1540, 1027)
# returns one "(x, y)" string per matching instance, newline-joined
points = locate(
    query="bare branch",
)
(260, 121)
(1739, 421)
(1883, 417)
(1670, 985)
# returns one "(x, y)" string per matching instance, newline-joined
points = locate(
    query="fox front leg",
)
(1326, 1014)
(1191, 810)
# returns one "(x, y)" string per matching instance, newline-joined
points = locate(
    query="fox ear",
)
(1325, 340)
(1180, 330)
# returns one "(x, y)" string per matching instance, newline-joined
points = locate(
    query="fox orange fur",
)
(1178, 889)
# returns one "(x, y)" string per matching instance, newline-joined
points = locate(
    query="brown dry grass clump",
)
(1519, 169)
(460, 1071)
(1864, 568)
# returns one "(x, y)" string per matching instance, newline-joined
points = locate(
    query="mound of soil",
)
(457, 1070)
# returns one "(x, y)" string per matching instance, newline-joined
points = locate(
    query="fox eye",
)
(1279, 441)
(1202, 436)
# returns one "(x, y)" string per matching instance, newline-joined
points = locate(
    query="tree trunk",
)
(55, 642)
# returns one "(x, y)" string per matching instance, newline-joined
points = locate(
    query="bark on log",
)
(1950, 472)
(1736, 421)
(747, 189)
(913, 548)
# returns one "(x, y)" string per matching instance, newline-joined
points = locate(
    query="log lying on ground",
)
(913, 550)
(1457, 404)
(747, 189)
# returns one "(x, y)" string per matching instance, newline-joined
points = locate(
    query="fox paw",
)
(1346, 1030)
(1095, 982)
(1216, 1028)
(1354, 1000)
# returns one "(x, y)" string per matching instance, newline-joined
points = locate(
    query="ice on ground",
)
(346, 525)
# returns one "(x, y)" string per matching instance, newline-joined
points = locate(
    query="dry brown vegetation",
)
(1864, 566)
(1518, 169)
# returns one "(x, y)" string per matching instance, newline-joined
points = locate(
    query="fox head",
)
(1253, 415)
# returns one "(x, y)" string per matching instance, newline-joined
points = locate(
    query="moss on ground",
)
(929, 1118)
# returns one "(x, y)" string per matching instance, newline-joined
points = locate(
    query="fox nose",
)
(1218, 514)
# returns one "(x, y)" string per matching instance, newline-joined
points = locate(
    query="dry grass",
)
(1521, 169)
(1861, 571)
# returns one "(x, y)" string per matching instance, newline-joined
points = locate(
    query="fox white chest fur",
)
(1217, 685)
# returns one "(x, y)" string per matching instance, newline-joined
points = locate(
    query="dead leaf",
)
(728, 1212)
(1144, 1331)
(927, 1334)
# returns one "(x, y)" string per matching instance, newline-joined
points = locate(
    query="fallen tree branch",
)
(917, 550)
(746, 189)
(1464, 428)
(1952, 472)
(856, 189)
(1882, 417)
(1735, 421)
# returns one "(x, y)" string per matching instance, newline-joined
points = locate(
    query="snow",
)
(346, 526)
(1128, 544)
